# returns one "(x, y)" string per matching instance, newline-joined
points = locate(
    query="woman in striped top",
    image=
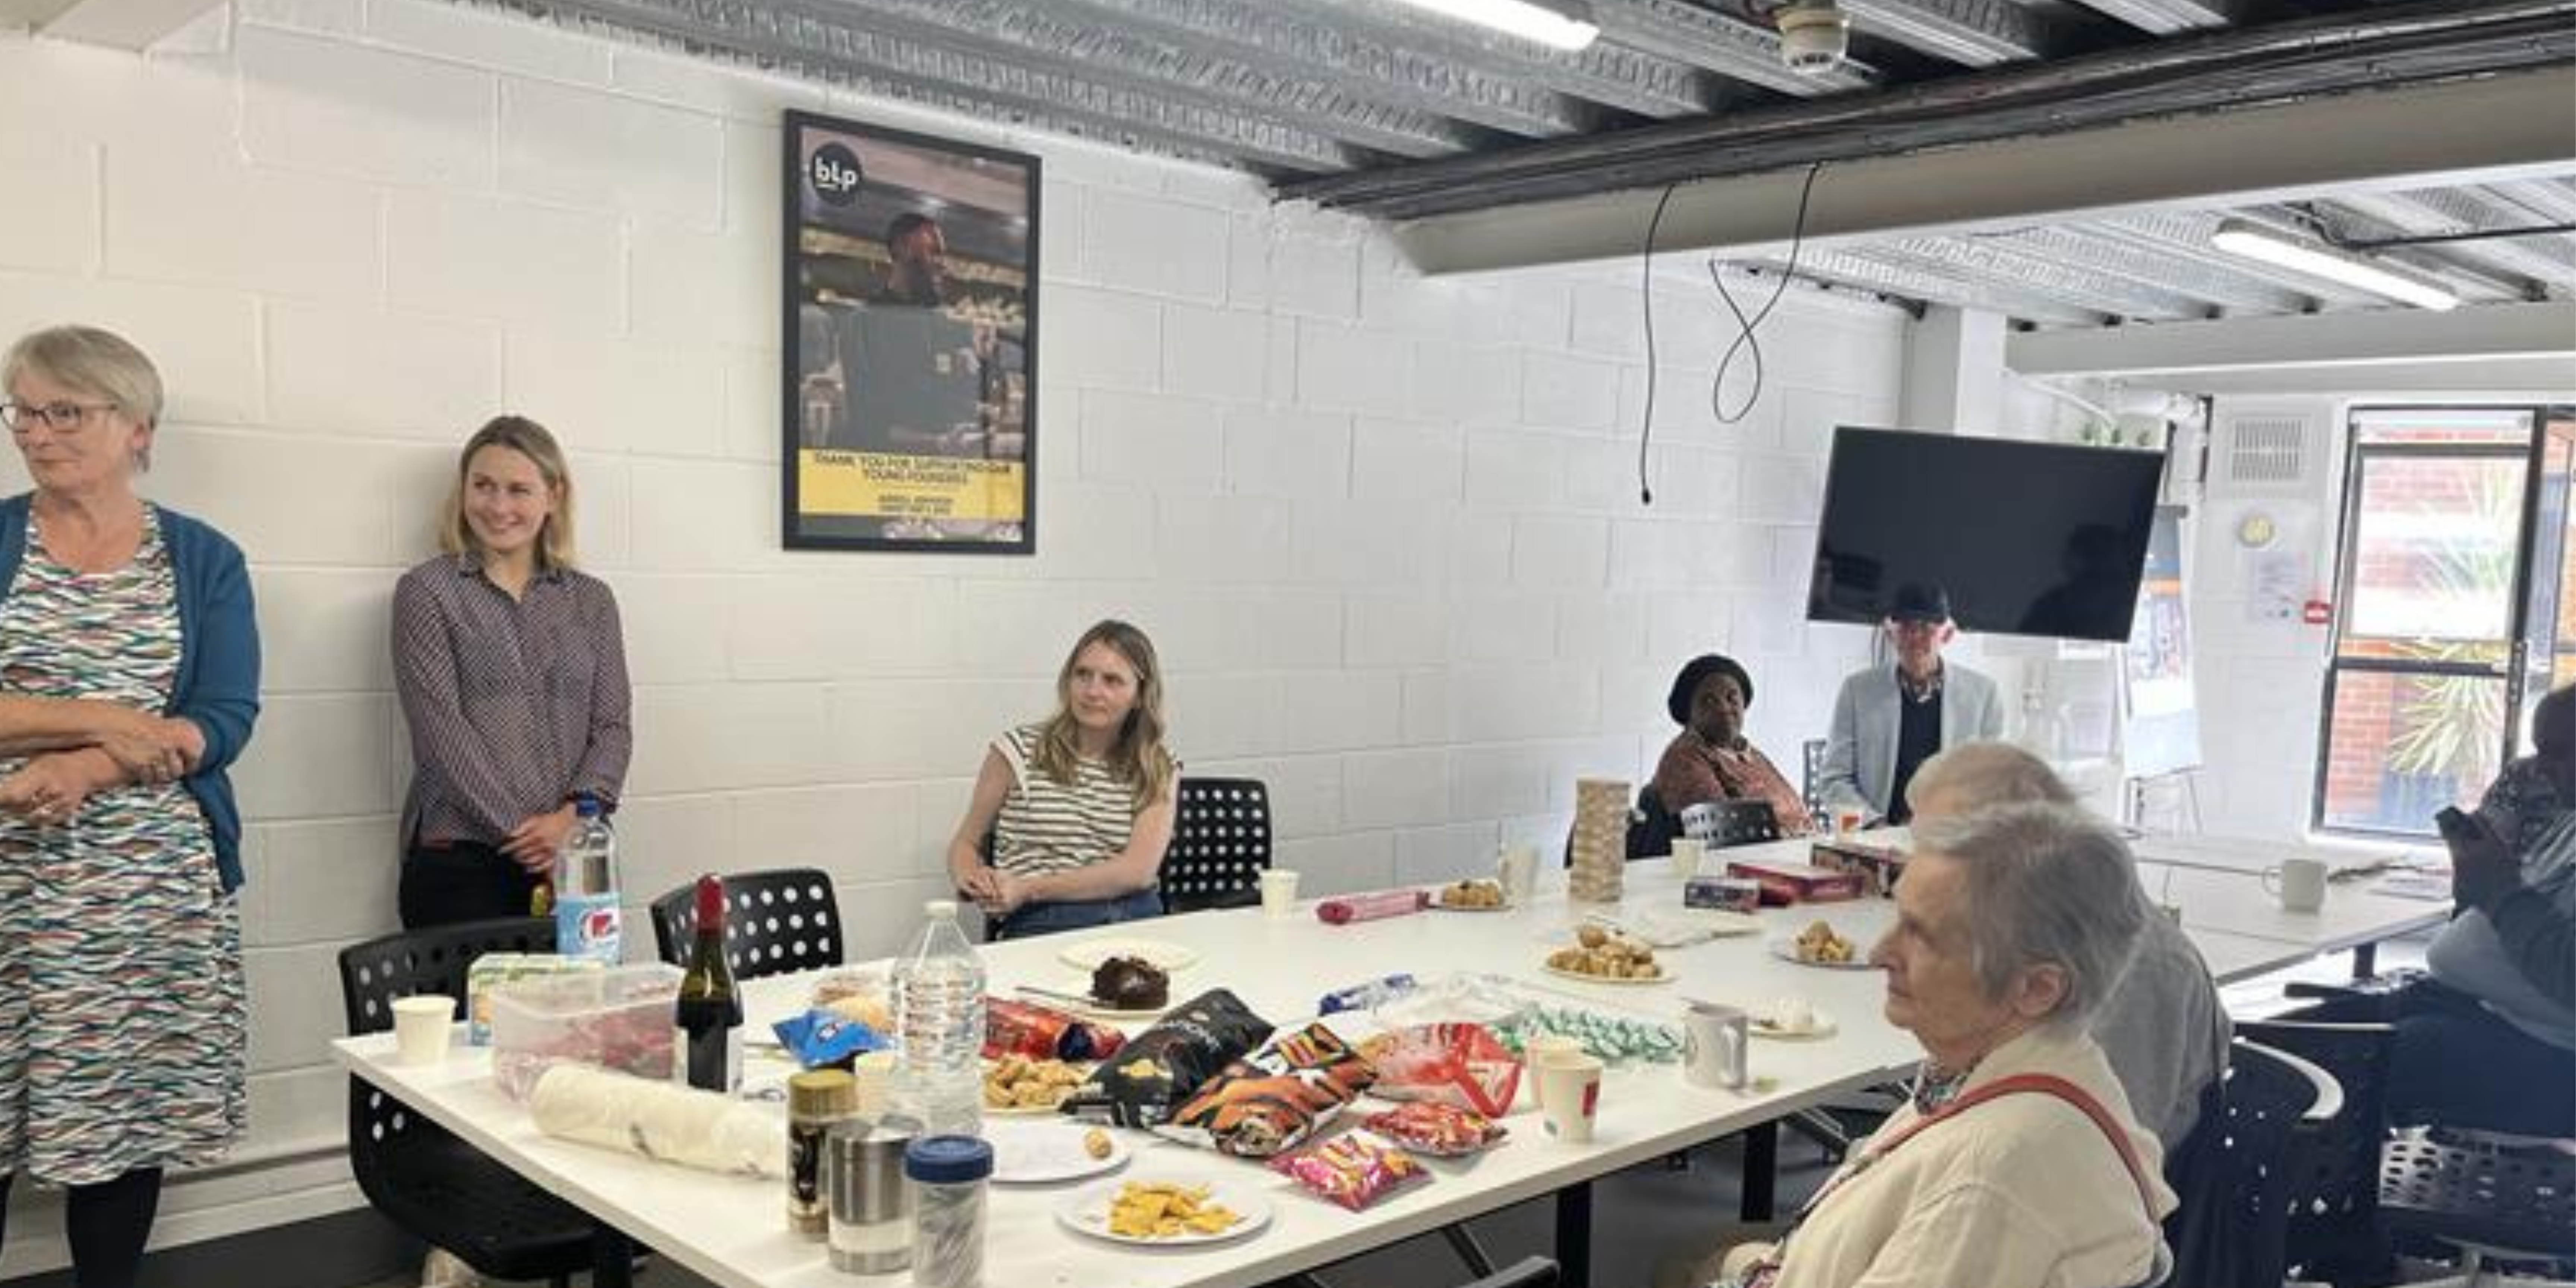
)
(1078, 807)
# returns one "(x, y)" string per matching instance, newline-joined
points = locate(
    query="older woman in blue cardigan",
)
(129, 678)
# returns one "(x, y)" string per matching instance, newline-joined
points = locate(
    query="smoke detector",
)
(1814, 36)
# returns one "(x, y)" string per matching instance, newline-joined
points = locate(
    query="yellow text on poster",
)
(881, 485)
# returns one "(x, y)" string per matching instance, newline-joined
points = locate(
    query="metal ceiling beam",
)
(1721, 43)
(2547, 201)
(2078, 286)
(1645, 84)
(1862, 268)
(2169, 17)
(1971, 33)
(2212, 75)
(827, 45)
(2420, 132)
(2100, 249)
(1042, 39)
(2450, 211)
(1285, 43)
(2392, 334)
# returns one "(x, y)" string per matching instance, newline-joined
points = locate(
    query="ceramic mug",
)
(2300, 884)
(1715, 1050)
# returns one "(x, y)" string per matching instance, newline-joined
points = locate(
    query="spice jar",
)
(948, 1175)
(871, 1231)
(815, 1100)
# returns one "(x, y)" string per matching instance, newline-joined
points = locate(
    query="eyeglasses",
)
(61, 417)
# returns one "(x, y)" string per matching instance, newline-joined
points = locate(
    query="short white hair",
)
(2045, 885)
(1978, 774)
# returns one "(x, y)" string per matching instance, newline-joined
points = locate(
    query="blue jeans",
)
(1049, 918)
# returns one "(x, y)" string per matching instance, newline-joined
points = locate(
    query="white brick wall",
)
(1384, 528)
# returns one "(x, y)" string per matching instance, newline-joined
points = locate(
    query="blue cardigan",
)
(218, 683)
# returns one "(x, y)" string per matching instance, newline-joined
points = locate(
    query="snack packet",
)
(1436, 1130)
(1043, 1033)
(1276, 1098)
(822, 1039)
(1147, 1081)
(1350, 1171)
(1453, 1064)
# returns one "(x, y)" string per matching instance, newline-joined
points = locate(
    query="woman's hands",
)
(154, 749)
(535, 842)
(997, 892)
(48, 790)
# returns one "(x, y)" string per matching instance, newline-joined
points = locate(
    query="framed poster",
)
(910, 371)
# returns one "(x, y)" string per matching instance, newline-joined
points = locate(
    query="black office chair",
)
(2333, 1235)
(2275, 1112)
(2480, 1198)
(1811, 775)
(424, 1179)
(1651, 828)
(777, 922)
(1220, 845)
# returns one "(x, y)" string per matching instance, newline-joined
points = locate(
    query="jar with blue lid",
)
(949, 1176)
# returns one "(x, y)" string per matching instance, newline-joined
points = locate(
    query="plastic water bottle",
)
(587, 920)
(939, 1011)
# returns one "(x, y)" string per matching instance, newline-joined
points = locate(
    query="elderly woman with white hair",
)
(2017, 1162)
(129, 679)
(2163, 1027)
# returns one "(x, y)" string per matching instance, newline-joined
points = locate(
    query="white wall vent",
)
(2267, 453)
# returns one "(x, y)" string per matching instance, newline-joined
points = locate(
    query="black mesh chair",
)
(2480, 1198)
(1726, 823)
(776, 922)
(2232, 1227)
(1811, 774)
(1220, 845)
(424, 1179)
(2333, 1232)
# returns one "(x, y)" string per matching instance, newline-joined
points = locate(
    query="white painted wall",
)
(1384, 530)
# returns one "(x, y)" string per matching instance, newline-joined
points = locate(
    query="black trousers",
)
(108, 1223)
(461, 882)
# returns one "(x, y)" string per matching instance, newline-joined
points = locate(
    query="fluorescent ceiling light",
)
(2316, 259)
(1557, 24)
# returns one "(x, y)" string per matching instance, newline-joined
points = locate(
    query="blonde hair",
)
(1138, 758)
(92, 361)
(528, 439)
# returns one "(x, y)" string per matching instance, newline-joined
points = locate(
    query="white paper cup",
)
(1279, 892)
(1687, 852)
(1541, 1050)
(1517, 869)
(423, 1023)
(2300, 884)
(1571, 1098)
(875, 1072)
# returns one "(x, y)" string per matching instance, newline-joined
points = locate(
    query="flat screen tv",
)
(2043, 539)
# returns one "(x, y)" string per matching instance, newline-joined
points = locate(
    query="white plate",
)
(1048, 1153)
(1682, 927)
(1786, 949)
(1821, 1025)
(1087, 1212)
(1438, 905)
(1665, 978)
(1160, 954)
(1071, 990)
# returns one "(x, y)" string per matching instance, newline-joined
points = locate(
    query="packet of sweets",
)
(1436, 1130)
(1455, 1064)
(1350, 1171)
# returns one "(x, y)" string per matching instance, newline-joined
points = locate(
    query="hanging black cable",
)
(1745, 339)
(1646, 297)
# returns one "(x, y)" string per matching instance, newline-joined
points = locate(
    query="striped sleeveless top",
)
(1047, 826)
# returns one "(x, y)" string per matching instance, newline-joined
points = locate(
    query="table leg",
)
(1574, 1235)
(1761, 1170)
(612, 1259)
(2365, 961)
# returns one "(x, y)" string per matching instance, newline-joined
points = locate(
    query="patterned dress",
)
(122, 1019)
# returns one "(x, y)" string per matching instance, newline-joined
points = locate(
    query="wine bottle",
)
(710, 1008)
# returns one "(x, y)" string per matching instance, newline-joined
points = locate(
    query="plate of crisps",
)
(1821, 945)
(1016, 1086)
(1165, 1212)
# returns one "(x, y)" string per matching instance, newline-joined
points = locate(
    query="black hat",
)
(1700, 668)
(1920, 601)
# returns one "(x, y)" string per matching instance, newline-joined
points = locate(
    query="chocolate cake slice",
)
(1130, 984)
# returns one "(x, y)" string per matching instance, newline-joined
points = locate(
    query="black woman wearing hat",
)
(1712, 760)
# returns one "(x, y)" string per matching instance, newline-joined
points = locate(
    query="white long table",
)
(733, 1231)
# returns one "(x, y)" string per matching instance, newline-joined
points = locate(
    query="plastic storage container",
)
(948, 1175)
(618, 1018)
